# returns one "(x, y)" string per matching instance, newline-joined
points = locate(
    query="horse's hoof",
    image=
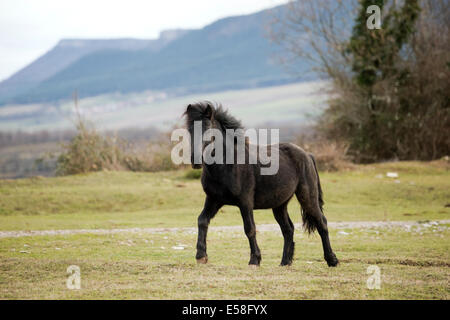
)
(254, 260)
(253, 266)
(332, 261)
(203, 260)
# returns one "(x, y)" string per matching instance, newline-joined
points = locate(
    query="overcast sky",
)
(29, 28)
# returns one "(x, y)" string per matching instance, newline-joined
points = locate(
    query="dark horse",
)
(242, 185)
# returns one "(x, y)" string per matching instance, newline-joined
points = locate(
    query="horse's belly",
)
(273, 191)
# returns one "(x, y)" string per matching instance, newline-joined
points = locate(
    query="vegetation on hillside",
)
(390, 86)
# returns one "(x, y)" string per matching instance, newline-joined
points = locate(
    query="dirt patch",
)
(406, 262)
(260, 228)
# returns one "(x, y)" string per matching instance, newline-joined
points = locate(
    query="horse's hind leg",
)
(209, 211)
(287, 228)
(313, 218)
(329, 255)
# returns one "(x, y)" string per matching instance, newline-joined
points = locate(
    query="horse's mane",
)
(198, 112)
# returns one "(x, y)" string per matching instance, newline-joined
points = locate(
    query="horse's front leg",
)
(250, 231)
(209, 211)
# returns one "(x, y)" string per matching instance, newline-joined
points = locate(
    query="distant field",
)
(414, 261)
(24, 160)
(288, 107)
(294, 103)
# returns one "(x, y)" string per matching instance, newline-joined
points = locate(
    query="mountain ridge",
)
(230, 53)
(68, 50)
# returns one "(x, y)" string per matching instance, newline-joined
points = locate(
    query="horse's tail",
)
(321, 203)
(311, 217)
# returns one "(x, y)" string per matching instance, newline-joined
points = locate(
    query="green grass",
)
(144, 266)
(168, 199)
(414, 264)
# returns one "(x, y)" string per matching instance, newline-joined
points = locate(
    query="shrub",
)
(330, 155)
(193, 174)
(90, 151)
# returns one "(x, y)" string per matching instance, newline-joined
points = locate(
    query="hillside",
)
(67, 51)
(231, 53)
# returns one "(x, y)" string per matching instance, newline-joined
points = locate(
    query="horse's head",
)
(196, 114)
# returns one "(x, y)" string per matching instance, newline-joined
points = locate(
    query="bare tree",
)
(318, 31)
(406, 112)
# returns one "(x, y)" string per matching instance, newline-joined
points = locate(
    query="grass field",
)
(414, 261)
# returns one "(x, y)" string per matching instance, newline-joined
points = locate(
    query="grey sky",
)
(29, 28)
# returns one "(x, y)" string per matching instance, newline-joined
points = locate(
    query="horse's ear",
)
(209, 111)
(189, 107)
